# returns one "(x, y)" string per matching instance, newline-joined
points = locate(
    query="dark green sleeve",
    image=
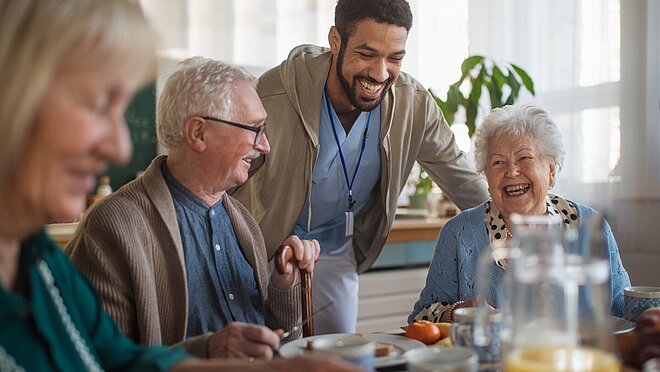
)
(115, 351)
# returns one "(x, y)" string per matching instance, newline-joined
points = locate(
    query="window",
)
(572, 51)
(599, 86)
(259, 34)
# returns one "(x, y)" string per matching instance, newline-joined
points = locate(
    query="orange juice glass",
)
(561, 359)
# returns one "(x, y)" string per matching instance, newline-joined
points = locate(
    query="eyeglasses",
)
(259, 129)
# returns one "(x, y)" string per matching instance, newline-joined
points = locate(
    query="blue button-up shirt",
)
(221, 283)
(329, 190)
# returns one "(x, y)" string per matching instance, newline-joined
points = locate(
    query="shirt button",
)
(212, 213)
(231, 296)
(217, 247)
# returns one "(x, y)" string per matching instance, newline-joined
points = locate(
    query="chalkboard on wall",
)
(141, 120)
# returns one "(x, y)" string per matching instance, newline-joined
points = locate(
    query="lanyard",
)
(349, 184)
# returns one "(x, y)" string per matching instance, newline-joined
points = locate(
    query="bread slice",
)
(384, 349)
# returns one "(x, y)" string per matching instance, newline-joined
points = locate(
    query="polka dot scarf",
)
(497, 230)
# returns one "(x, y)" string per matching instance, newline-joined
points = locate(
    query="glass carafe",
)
(495, 279)
(558, 304)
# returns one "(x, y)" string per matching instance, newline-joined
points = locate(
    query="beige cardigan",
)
(129, 247)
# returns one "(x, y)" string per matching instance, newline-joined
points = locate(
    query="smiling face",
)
(78, 129)
(233, 149)
(367, 64)
(519, 175)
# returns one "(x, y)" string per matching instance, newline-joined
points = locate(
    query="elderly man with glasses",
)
(174, 258)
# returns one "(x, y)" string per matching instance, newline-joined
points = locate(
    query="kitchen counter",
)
(406, 228)
(409, 229)
(61, 233)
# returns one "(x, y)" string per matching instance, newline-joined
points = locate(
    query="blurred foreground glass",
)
(553, 295)
(495, 288)
(442, 359)
(462, 334)
(354, 348)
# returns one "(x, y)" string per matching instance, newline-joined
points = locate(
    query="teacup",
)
(637, 299)
(354, 348)
(442, 359)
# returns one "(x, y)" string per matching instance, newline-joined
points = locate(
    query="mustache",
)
(253, 154)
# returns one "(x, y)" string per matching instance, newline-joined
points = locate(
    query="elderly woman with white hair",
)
(520, 151)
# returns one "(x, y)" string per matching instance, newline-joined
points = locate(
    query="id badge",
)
(349, 223)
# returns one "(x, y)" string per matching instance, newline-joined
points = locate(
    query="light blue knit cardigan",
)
(453, 271)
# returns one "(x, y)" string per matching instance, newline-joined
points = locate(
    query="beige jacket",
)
(412, 128)
(129, 247)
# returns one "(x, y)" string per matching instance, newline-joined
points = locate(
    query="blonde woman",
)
(69, 68)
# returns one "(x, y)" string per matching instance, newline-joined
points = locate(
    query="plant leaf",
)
(498, 77)
(469, 63)
(513, 82)
(510, 99)
(471, 116)
(449, 116)
(454, 98)
(526, 79)
(495, 94)
(477, 85)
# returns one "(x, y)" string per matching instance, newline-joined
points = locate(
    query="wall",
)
(387, 297)
(141, 120)
(634, 213)
(637, 231)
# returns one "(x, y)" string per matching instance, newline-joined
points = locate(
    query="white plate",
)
(401, 345)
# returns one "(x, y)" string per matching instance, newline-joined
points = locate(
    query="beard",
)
(350, 91)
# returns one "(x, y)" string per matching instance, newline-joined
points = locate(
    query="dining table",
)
(402, 344)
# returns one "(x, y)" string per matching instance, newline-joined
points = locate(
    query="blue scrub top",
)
(329, 200)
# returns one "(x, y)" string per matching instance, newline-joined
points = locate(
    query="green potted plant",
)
(423, 187)
(502, 81)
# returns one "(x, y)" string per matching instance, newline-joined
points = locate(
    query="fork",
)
(299, 326)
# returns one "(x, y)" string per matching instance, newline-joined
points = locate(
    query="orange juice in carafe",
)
(561, 359)
(559, 306)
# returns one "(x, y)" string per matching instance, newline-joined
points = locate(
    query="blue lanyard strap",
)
(351, 202)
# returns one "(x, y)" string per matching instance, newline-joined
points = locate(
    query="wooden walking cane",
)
(283, 255)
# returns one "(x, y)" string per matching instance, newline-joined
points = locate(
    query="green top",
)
(32, 333)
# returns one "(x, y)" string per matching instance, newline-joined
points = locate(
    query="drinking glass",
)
(495, 289)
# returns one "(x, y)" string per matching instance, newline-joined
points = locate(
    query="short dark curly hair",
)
(349, 12)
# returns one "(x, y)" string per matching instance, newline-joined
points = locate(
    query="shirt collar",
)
(556, 206)
(184, 196)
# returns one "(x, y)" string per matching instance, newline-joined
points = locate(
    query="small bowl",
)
(354, 348)
(442, 359)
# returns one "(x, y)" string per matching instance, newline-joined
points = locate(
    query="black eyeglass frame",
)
(259, 130)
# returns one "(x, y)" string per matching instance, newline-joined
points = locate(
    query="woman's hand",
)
(448, 315)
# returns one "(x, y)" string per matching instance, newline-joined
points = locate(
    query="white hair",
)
(519, 120)
(201, 86)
